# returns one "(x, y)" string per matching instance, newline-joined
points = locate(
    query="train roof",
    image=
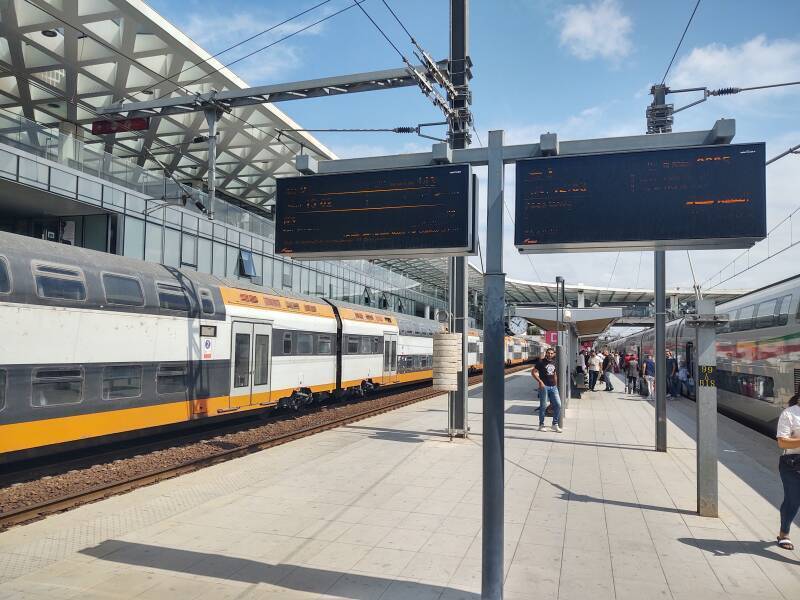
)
(102, 261)
(763, 288)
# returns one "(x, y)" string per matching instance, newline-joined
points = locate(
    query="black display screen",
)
(372, 213)
(696, 197)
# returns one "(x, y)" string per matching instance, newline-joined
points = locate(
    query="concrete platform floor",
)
(389, 509)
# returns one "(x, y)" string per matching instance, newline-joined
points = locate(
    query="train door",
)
(250, 363)
(389, 357)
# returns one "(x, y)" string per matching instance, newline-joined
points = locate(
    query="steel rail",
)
(66, 502)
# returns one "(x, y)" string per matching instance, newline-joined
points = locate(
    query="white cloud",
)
(596, 30)
(757, 61)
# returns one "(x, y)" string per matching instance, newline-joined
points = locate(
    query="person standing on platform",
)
(649, 372)
(672, 375)
(594, 369)
(631, 374)
(545, 371)
(788, 435)
(608, 369)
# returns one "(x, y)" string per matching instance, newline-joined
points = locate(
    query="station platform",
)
(389, 509)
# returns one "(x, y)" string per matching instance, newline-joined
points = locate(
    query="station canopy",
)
(53, 72)
(434, 273)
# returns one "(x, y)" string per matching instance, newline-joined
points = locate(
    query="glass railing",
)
(51, 144)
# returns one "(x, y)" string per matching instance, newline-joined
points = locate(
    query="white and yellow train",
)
(98, 347)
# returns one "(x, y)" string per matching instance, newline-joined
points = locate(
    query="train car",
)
(758, 353)
(475, 350)
(99, 347)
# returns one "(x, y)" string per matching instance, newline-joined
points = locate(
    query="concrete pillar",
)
(427, 312)
(581, 299)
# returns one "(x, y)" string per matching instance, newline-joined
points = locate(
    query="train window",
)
(5, 277)
(759, 387)
(241, 360)
(366, 344)
(324, 344)
(57, 386)
(353, 344)
(122, 381)
(305, 343)
(287, 342)
(206, 302)
(3, 378)
(171, 379)
(472, 347)
(377, 343)
(261, 371)
(172, 297)
(782, 311)
(765, 315)
(745, 319)
(59, 282)
(123, 290)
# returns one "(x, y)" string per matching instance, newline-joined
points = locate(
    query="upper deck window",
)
(5, 277)
(206, 302)
(172, 297)
(123, 290)
(59, 282)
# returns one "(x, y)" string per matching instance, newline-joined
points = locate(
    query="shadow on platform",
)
(291, 577)
(731, 547)
(400, 435)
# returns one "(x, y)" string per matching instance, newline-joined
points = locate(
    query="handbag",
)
(791, 461)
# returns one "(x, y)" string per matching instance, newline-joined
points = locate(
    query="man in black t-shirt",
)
(545, 372)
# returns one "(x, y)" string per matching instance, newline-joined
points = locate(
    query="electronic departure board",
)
(682, 198)
(419, 211)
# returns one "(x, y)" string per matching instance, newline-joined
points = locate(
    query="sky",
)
(581, 69)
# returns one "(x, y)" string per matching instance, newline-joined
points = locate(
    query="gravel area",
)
(49, 487)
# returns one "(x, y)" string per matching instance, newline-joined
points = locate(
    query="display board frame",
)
(757, 233)
(469, 247)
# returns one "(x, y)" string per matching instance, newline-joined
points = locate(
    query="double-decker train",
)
(99, 347)
(758, 353)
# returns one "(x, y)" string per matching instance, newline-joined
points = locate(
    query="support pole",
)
(459, 48)
(706, 390)
(661, 357)
(493, 381)
(212, 115)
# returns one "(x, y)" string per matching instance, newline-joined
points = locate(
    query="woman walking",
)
(789, 467)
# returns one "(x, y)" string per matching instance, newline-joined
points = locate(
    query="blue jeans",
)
(551, 392)
(791, 495)
(672, 385)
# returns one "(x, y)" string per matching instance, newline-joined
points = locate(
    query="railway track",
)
(308, 424)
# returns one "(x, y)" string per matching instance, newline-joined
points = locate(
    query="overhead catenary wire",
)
(279, 40)
(680, 42)
(236, 45)
(613, 270)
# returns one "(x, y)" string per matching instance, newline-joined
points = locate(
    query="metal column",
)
(212, 116)
(706, 391)
(459, 47)
(493, 380)
(661, 356)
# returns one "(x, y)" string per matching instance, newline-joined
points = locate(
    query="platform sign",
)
(399, 212)
(702, 197)
(131, 124)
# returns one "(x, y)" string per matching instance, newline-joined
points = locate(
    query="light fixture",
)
(51, 33)
(146, 92)
(53, 105)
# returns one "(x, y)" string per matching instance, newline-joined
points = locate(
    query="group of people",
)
(600, 366)
(545, 372)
